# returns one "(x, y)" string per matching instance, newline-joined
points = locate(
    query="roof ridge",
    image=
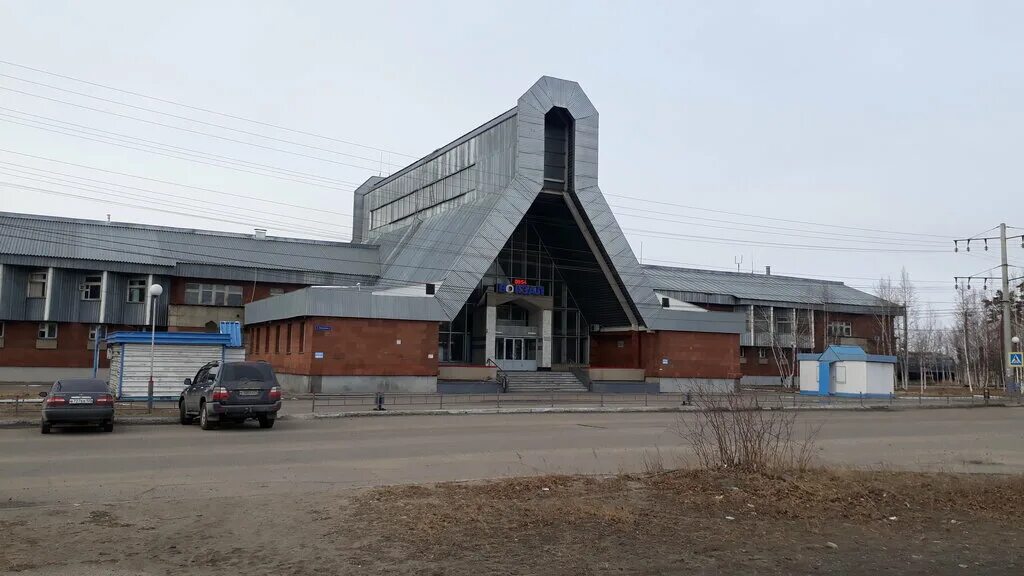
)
(193, 231)
(746, 274)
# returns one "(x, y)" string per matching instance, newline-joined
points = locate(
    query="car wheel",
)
(204, 420)
(266, 422)
(184, 418)
(108, 426)
(44, 428)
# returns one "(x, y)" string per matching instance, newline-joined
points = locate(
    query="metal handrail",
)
(501, 375)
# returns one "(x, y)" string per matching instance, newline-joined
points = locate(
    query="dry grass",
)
(696, 520)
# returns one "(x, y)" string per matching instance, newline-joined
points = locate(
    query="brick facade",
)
(689, 354)
(72, 351)
(350, 346)
(250, 292)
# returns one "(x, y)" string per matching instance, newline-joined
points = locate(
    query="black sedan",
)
(78, 401)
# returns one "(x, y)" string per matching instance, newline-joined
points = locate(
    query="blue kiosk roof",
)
(838, 353)
(189, 338)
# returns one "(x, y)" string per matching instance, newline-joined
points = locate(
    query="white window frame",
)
(1, 329)
(92, 332)
(37, 278)
(276, 291)
(840, 373)
(43, 333)
(138, 284)
(212, 294)
(762, 352)
(91, 283)
(840, 329)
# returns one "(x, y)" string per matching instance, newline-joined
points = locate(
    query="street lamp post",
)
(1016, 369)
(155, 290)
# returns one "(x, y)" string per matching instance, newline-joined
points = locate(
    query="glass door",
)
(517, 354)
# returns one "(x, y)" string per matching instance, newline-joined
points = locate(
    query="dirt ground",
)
(669, 523)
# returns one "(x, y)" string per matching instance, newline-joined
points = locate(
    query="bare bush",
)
(733, 431)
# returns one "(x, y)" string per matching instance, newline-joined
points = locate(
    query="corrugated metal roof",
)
(760, 287)
(234, 330)
(191, 338)
(92, 240)
(839, 353)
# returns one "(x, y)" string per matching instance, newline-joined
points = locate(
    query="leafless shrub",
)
(733, 431)
(653, 463)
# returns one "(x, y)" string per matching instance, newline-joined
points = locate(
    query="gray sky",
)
(854, 117)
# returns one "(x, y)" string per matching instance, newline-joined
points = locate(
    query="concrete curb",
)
(159, 420)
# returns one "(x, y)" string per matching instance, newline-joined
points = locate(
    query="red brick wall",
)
(352, 346)
(71, 352)
(249, 292)
(605, 351)
(864, 326)
(753, 366)
(691, 355)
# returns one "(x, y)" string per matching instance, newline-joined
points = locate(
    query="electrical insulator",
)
(985, 287)
(986, 245)
(956, 247)
(968, 245)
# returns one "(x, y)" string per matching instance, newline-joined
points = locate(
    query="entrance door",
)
(516, 354)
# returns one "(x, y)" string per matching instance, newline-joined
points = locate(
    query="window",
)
(277, 339)
(762, 352)
(213, 294)
(37, 285)
(783, 321)
(288, 340)
(302, 337)
(840, 329)
(137, 290)
(1, 329)
(92, 333)
(92, 287)
(840, 373)
(743, 352)
(47, 331)
(266, 339)
(276, 291)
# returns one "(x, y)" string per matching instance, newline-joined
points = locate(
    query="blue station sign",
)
(519, 287)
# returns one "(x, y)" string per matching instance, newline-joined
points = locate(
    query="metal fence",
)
(427, 401)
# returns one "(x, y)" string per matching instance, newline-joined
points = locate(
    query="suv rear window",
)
(255, 372)
(82, 386)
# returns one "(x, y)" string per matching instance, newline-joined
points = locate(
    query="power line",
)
(206, 110)
(169, 155)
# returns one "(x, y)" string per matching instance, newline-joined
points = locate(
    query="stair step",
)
(544, 382)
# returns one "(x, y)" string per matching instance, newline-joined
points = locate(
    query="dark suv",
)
(231, 392)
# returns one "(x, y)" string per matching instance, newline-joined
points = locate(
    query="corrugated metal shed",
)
(234, 330)
(91, 241)
(710, 286)
(176, 356)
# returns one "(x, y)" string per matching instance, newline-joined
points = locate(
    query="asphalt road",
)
(175, 462)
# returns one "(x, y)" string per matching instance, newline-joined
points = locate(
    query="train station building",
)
(493, 260)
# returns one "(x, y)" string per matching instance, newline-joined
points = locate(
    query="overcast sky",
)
(882, 128)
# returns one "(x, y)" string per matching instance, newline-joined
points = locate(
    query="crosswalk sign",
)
(1017, 359)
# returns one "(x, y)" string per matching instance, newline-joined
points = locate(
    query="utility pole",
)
(1007, 345)
(1008, 373)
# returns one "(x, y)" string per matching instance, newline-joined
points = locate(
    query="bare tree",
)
(906, 297)
(887, 312)
(786, 331)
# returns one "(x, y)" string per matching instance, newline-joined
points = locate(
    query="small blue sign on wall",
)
(519, 288)
(318, 355)
(322, 328)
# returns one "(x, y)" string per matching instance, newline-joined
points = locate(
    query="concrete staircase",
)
(544, 382)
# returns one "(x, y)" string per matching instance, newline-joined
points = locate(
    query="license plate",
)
(80, 400)
(248, 392)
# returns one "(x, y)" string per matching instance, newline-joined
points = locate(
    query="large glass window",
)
(453, 338)
(213, 294)
(525, 257)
